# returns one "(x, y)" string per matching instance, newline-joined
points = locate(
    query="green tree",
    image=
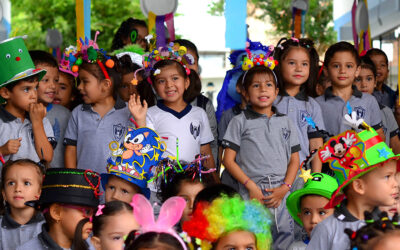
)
(318, 22)
(34, 18)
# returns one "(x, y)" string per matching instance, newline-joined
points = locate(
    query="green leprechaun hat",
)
(351, 155)
(15, 61)
(317, 184)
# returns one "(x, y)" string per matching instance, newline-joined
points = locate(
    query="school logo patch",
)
(118, 131)
(302, 117)
(360, 111)
(285, 133)
(195, 129)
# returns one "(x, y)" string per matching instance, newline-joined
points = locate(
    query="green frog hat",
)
(15, 61)
(352, 154)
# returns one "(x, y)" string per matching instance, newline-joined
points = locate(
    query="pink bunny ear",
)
(171, 212)
(143, 211)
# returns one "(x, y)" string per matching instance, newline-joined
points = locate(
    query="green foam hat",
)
(351, 155)
(320, 184)
(15, 61)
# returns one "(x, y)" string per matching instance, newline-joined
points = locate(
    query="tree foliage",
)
(318, 22)
(34, 18)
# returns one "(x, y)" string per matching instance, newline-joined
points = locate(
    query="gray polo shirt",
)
(13, 234)
(92, 134)
(334, 108)
(41, 242)
(389, 124)
(298, 108)
(226, 117)
(263, 144)
(58, 116)
(12, 127)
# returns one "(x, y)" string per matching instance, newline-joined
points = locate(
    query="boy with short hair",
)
(365, 169)
(57, 114)
(24, 130)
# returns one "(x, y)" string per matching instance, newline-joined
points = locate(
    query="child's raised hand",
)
(276, 196)
(37, 112)
(11, 147)
(136, 108)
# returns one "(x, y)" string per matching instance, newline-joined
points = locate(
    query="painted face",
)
(120, 189)
(188, 191)
(343, 69)
(22, 184)
(237, 240)
(382, 69)
(22, 95)
(296, 67)
(90, 87)
(313, 212)
(47, 86)
(170, 85)
(127, 89)
(381, 186)
(365, 82)
(113, 231)
(64, 88)
(262, 92)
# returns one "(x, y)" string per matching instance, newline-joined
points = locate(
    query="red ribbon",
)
(373, 141)
(103, 69)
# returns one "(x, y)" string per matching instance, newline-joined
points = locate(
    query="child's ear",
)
(3, 194)
(5, 93)
(358, 70)
(325, 69)
(238, 89)
(96, 242)
(187, 83)
(55, 212)
(358, 186)
(107, 84)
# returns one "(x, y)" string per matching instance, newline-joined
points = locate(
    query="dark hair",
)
(75, 92)
(28, 79)
(43, 57)
(375, 52)
(95, 70)
(194, 88)
(110, 208)
(282, 50)
(340, 47)
(367, 63)
(373, 230)
(189, 45)
(79, 243)
(213, 192)
(124, 32)
(249, 75)
(152, 240)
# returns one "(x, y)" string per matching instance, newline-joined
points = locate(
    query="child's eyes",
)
(256, 85)
(27, 183)
(161, 81)
(269, 85)
(358, 79)
(306, 212)
(349, 66)
(10, 183)
(322, 212)
(111, 187)
(305, 64)
(26, 90)
(116, 237)
(125, 191)
(369, 78)
(175, 78)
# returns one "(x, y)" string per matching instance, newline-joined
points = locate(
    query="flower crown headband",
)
(90, 52)
(171, 52)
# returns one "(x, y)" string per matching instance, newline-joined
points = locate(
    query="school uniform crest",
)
(360, 111)
(118, 131)
(285, 133)
(195, 129)
(303, 114)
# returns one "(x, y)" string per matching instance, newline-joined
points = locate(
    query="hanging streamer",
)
(169, 19)
(82, 9)
(160, 32)
(236, 28)
(152, 21)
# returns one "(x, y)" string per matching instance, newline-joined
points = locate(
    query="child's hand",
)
(11, 147)
(256, 193)
(276, 196)
(136, 108)
(37, 112)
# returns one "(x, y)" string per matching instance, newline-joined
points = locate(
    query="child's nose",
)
(314, 218)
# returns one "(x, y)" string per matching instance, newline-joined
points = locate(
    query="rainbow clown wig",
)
(212, 221)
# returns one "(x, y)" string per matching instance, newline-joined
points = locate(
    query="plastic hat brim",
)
(22, 75)
(143, 189)
(293, 201)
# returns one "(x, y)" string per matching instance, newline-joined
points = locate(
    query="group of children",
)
(122, 151)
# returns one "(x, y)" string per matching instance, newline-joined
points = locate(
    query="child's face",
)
(195, 65)
(296, 67)
(381, 188)
(391, 210)
(113, 231)
(90, 88)
(87, 230)
(170, 85)
(366, 82)
(241, 240)
(127, 88)
(188, 191)
(22, 95)
(342, 69)
(313, 212)
(382, 69)
(22, 184)
(70, 216)
(64, 88)
(262, 92)
(118, 189)
(47, 86)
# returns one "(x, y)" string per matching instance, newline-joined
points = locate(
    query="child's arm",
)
(43, 148)
(138, 110)
(395, 144)
(316, 164)
(209, 163)
(70, 156)
(278, 193)
(381, 134)
(237, 173)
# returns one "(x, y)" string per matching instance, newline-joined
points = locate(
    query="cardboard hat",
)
(133, 159)
(351, 155)
(15, 61)
(320, 184)
(69, 186)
